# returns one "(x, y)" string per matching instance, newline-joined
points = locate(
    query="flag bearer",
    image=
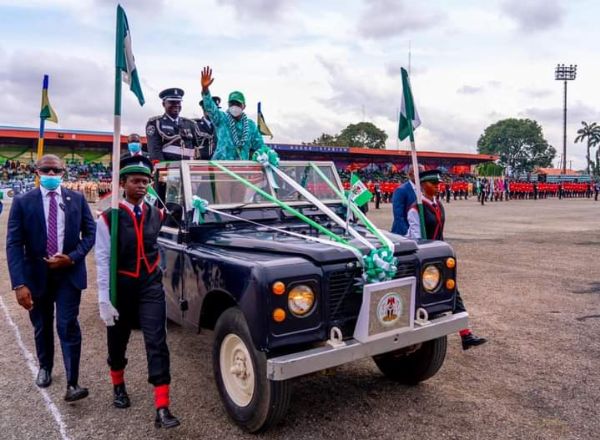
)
(140, 295)
(434, 216)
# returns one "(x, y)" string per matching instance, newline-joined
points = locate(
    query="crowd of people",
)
(485, 189)
(90, 178)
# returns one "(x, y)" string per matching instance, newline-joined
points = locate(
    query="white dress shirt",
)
(414, 220)
(102, 254)
(60, 214)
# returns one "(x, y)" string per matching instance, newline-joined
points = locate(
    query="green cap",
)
(135, 165)
(430, 176)
(237, 97)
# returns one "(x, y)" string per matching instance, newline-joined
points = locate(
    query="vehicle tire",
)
(412, 367)
(254, 402)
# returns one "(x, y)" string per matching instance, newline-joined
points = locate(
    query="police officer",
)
(140, 297)
(208, 134)
(170, 136)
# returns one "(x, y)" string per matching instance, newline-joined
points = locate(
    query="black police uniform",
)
(208, 138)
(172, 139)
(208, 133)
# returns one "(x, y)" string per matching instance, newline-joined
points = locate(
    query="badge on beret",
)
(150, 130)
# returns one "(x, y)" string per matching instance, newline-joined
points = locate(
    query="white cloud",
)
(534, 15)
(316, 66)
(389, 18)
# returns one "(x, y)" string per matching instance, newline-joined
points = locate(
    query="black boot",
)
(44, 378)
(75, 392)
(471, 340)
(164, 419)
(121, 398)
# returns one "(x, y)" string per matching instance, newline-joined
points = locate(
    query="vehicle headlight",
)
(431, 278)
(301, 300)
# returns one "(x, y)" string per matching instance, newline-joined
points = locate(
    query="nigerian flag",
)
(408, 111)
(151, 196)
(359, 193)
(125, 59)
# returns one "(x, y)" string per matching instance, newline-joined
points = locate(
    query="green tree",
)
(363, 134)
(591, 134)
(326, 140)
(519, 143)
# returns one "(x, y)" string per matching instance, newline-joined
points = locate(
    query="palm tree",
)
(590, 133)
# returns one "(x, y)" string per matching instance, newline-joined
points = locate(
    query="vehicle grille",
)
(345, 297)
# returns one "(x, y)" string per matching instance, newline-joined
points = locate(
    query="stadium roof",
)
(12, 132)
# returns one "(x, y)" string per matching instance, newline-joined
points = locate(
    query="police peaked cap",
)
(215, 99)
(173, 94)
(135, 165)
(430, 176)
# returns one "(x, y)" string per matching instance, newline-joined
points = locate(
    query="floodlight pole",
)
(565, 73)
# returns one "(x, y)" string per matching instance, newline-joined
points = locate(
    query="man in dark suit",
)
(403, 198)
(50, 231)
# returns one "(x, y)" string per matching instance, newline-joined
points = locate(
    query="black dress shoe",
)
(75, 392)
(472, 341)
(121, 398)
(164, 419)
(44, 378)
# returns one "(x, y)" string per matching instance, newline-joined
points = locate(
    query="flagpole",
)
(116, 152)
(40, 146)
(410, 115)
(415, 164)
(348, 207)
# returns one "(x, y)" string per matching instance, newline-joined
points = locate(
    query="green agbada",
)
(236, 139)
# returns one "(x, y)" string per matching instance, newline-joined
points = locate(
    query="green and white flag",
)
(408, 111)
(359, 193)
(125, 59)
(151, 196)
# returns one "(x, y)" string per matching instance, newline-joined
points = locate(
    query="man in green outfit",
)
(237, 135)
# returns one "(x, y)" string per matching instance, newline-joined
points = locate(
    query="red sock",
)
(117, 377)
(464, 332)
(161, 396)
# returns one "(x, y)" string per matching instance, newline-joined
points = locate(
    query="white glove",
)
(108, 313)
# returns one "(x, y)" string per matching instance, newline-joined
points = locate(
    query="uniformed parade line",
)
(363, 218)
(324, 208)
(293, 234)
(32, 366)
(283, 205)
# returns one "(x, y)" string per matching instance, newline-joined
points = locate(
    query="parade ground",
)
(529, 272)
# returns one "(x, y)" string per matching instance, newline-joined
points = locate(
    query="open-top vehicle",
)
(245, 254)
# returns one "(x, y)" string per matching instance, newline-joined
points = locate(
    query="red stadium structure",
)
(18, 143)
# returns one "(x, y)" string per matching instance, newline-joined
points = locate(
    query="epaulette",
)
(154, 118)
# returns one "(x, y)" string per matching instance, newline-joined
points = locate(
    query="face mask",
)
(134, 147)
(235, 111)
(50, 182)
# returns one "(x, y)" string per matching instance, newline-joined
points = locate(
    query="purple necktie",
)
(52, 246)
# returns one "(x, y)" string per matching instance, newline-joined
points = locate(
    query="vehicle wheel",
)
(411, 367)
(251, 400)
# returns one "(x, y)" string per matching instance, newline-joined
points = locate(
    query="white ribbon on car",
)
(324, 208)
(293, 234)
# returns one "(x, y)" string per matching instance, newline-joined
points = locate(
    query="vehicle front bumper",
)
(328, 356)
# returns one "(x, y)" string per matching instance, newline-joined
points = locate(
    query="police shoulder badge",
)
(150, 129)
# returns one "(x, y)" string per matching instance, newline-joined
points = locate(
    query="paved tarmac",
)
(529, 274)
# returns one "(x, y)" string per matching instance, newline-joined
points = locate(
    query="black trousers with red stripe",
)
(141, 301)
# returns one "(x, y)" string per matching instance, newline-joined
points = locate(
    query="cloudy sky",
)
(316, 65)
